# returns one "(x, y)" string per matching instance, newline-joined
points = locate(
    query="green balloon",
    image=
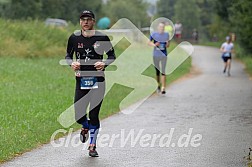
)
(104, 23)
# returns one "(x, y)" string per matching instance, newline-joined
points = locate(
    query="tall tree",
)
(41, 9)
(24, 9)
(222, 7)
(207, 15)
(165, 8)
(134, 10)
(187, 12)
(240, 16)
(4, 6)
(52, 8)
(206, 11)
(70, 9)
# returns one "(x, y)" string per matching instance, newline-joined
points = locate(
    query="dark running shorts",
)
(225, 59)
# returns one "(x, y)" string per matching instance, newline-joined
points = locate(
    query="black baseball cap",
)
(87, 13)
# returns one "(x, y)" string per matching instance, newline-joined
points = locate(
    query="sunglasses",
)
(88, 19)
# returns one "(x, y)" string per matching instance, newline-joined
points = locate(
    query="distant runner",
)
(178, 31)
(160, 41)
(195, 35)
(227, 48)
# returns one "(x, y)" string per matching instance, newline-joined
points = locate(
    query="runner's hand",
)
(75, 66)
(157, 43)
(167, 44)
(99, 65)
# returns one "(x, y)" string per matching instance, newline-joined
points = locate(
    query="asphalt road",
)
(214, 109)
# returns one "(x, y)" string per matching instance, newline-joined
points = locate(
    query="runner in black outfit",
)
(89, 46)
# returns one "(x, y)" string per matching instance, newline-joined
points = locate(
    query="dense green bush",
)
(241, 19)
(31, 39)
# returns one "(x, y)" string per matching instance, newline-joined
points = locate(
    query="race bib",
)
(226, 54)
(89, 83)
(162, 46)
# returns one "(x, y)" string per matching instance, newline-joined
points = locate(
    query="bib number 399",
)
(89, 83)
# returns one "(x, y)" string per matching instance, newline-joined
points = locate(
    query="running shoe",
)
(92, 151)
(163, 90)
(84, 135)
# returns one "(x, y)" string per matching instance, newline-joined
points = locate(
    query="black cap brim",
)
(86, 15)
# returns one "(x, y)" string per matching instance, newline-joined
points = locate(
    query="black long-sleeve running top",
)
(88, 48)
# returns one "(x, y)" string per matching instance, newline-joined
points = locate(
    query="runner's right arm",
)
(222, 48)
(152, 42)
(69, 51)
(69, 54)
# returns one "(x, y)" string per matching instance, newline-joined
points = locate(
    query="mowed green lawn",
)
(33, 93)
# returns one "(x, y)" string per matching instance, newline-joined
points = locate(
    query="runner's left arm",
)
(111, 54)
(167, 42)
